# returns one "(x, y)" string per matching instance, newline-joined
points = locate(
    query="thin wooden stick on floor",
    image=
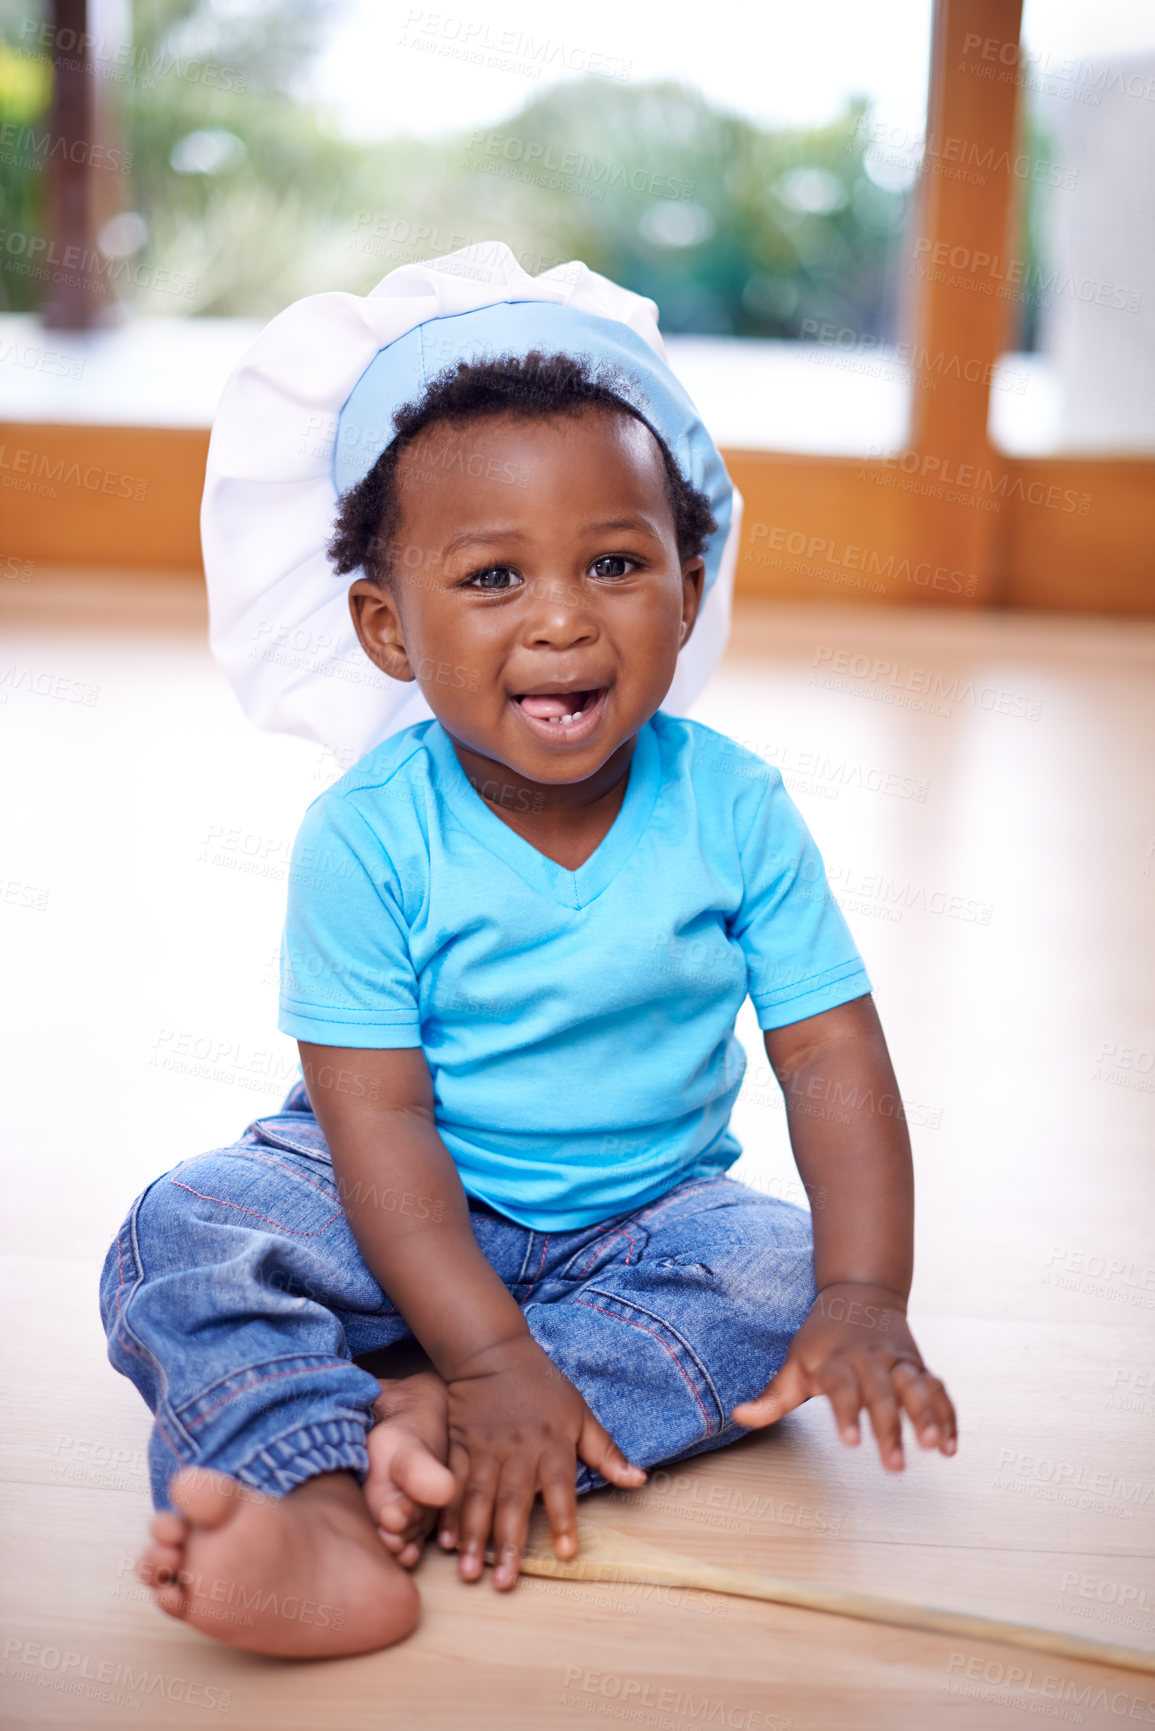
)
(610, 1556)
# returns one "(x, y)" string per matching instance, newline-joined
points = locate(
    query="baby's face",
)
(536, 577)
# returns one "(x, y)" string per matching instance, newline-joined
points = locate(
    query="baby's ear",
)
(378, 627)
(693, 584)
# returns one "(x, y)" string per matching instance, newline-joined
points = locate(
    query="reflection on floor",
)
(981, 790)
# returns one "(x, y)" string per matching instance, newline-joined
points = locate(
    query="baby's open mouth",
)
(558, 708)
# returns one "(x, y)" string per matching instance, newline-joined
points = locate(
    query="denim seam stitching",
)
(273, 1376)
(290, 1231)
(524, 1269)
(267, 1160)
(132, 1342)
(671, 1200)
(663, 1343)
(540, 1266)
(602, 1245)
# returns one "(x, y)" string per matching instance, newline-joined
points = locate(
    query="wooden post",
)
(78, 197)
(961, 275)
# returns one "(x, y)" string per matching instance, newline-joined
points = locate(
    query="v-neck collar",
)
(573, 889)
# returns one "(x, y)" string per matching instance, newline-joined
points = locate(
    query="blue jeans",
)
(237, 1301)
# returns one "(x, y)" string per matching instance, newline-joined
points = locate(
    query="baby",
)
(487, 1250)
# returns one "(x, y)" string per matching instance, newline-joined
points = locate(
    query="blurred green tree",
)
(25, 94)
(249, 193)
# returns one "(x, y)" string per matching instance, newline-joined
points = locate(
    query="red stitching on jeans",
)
(167, 1440)
(540, 1265)
(191, 1424)
(252, 1211)
(604, 1244)
(121, 1329)
(293, 1173)
(631, 1324)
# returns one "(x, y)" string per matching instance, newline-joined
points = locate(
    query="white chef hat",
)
(309, 408)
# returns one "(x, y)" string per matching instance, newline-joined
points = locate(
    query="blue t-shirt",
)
(579, 1025)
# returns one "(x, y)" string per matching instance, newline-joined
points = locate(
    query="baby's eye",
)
(493, 578)
(618, 559)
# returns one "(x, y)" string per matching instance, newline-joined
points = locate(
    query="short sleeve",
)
(346, 974)
(800, 956)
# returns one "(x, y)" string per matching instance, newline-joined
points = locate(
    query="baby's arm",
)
(854, 1159)
(515, 1422)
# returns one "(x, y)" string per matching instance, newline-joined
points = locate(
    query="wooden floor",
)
(996, 855)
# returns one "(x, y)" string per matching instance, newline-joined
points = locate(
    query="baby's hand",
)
(856, 1348)
(516, 1426)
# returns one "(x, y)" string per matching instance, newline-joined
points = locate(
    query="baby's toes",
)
(392, 1510)
(416, 1471)
(407, 1546)
(169, 1528)
(159, 1564)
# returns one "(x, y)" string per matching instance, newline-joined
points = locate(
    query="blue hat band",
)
(400, 374)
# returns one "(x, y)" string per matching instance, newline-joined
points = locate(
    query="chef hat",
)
(309, 408)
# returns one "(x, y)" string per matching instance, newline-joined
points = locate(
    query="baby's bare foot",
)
(302, 1576)
(408, 1480)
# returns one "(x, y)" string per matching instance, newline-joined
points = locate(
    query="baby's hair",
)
(532, 387)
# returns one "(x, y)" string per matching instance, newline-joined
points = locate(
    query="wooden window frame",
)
(816, 527)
